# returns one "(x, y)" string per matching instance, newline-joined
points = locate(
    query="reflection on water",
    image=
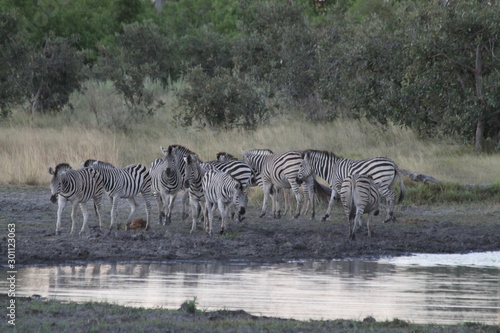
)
(302, 290)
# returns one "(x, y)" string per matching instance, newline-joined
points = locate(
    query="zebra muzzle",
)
(242, 211)
(53, 198)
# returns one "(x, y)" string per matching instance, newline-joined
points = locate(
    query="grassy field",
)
(98, 128)
(37, 315)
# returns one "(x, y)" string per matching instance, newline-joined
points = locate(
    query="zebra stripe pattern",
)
(181, 152)
(239, 170)
(359, 195)
(334, 169)
(166, 182)
(279, 171)
(194, 175)
(124, 183)
(224, 191)
(77, 187)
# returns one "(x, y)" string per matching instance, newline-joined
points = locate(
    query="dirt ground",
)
(418, 229)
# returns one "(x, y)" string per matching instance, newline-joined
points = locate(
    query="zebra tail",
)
(402, 192)
(352, 208)
(323, 192)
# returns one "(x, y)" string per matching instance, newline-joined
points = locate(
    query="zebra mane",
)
(61, 167)
(268, 151)
(90, 163)
(313, 152)
(183, 150)
(223, 156)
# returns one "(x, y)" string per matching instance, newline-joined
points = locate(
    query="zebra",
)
(77, 187)
(125, 183)
(334, 169)
(181, 152)
(239, 170)
(166, 182)
(194, 176)
(279, 171)
(359, 195)
(222, 190)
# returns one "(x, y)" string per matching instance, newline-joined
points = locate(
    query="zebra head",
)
(223, 157)
(193, 169)
(240, 199)
(305, 169)
(57, 179)
(170, 160)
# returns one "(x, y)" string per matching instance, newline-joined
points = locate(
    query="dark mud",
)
(430, 229)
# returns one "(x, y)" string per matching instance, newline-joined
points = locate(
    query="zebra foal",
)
(194, 177)
(124, 183)
(222, 190)
(359, 195)
(77, 187)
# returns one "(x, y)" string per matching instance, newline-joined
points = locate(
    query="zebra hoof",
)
(58, 232)
(296, 216)
(262, 214)
(325, 217)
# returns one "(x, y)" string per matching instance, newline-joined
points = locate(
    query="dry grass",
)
(29, 145)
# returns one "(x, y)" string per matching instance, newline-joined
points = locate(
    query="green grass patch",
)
(446, 192)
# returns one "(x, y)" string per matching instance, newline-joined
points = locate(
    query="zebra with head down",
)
(77, 187)
(124, 183)
(224, 191)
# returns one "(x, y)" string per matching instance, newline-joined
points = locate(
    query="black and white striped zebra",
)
(126, 183)
(334, 169)
(180, 153)
(166, 182)
(359, 195)
(239, 170)
(279, 171)
(224, 157)
(194, 176)
(77, 187)
(224, 191)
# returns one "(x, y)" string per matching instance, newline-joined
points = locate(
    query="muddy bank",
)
(431, 229)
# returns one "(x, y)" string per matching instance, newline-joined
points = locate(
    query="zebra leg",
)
(309, 194)
(114, 203)
(223, 214)
(330, 205)
(298, 197)
(170, 208)
(209, 208)
(390, 198)
(276, 198)
(267, 190)
(161, 209)
(97, 208)
(73, 211)
(147, 201)
(195, 212)
(133, 207)
(85, 212)
(185, 198)
(60, 206)
(368, 221)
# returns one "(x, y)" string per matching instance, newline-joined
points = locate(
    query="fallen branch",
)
(418, 177)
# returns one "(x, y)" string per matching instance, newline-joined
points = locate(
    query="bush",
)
(222, 102)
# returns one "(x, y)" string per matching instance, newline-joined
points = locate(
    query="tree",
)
(14, 51)
(56, 71)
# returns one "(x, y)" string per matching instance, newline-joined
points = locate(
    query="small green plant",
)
(189, 306)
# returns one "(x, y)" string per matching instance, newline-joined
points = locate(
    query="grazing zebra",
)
(239, 170)
(334, 169)
(124, 183)
(224, 191)
(359, 195)
(77, 187)
(279, 171)
(166, 182)
(194, 175)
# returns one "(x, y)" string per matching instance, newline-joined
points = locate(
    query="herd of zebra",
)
(222, 184)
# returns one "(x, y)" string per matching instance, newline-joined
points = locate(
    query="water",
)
(419, 289)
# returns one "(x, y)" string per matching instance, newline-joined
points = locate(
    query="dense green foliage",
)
(433, 66)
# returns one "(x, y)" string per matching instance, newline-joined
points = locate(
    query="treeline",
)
(431, 65)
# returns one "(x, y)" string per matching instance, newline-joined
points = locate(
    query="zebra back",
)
(239, 170)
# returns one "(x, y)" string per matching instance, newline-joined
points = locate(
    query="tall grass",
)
(99, 127)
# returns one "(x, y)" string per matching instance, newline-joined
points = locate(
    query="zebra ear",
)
(187, 159)
(163, 150)
(51, 171)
